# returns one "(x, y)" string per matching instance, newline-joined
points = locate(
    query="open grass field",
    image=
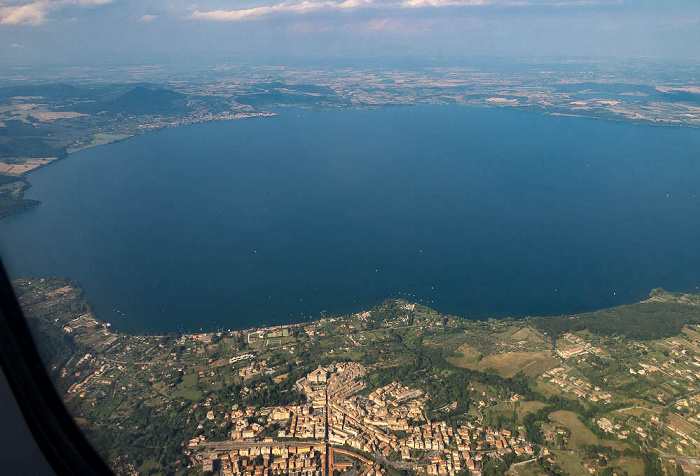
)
(99, 139)
(503, 409)
(527, 469)
(691, 333)
(148, 466)
(570, 462)
(523, 334)
(280, 378)
(523, 408)
(682, 424)
(507, 364)
(507, 334)
(531, 363)
(469, 359)
(580, 435)
(633, 466)
(272, 341)
(547, 389)
(449, 342)
(188, 388)
(643, 405)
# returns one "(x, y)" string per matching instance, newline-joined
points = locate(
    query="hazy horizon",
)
(103, 31)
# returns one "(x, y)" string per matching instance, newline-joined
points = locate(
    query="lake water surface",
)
(476, 212)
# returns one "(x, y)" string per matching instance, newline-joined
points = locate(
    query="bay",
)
(474, 212)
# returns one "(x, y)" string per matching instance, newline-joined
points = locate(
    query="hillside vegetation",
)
(664, 315)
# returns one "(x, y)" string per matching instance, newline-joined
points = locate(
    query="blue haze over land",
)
(476, 212)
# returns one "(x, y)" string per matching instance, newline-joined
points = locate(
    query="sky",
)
(148, 31)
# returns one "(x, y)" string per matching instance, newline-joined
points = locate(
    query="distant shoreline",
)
(101, 138)
(96, 142)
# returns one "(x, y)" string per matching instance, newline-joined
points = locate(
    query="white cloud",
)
(286, 7)
(37, 12)
(297, 7)
(309, 6)
(87, 3)
(443, 3)
(148, 17)
(29, 14)
(577, 3)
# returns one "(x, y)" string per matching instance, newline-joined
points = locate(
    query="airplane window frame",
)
(57, 435)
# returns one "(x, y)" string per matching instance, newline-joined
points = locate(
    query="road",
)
(236, 445)
(512, 466)
(682, 397)
(682, 459)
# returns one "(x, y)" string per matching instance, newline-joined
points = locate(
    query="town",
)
(336, 419)
(399, 389)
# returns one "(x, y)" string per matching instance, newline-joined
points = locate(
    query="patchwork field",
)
(24, 166)
(580, 435)
(508, 364)
(682, 424)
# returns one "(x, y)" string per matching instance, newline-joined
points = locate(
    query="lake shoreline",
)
(282, 215)
(69, 152)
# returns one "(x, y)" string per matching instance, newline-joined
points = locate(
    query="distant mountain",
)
(129, 99)
(140, 100)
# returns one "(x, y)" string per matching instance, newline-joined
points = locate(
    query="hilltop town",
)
(339, 430)
(395, 390)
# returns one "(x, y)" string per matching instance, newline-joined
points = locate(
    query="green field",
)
(523, 408)
(99, 139)
(580, 434)
(570, 462)
(527, 469)
(633, 466)
(469, 359)
(148, 466)
(546, 388)
(188, 388)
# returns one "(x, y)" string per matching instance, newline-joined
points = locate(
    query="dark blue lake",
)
(476, 212)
